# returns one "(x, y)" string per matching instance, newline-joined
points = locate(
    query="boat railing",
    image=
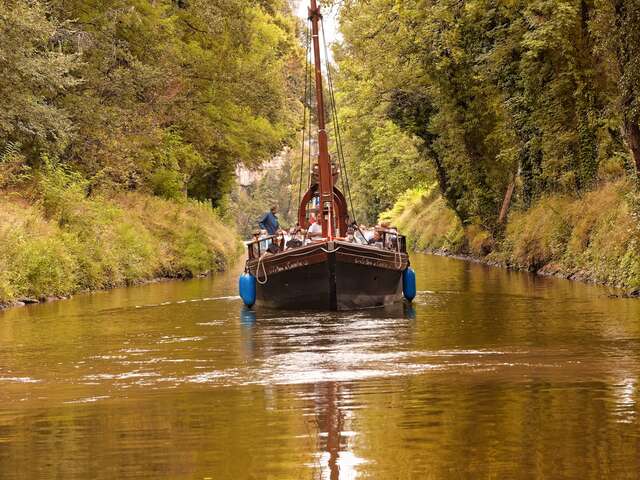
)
(391, 240)
(257, 247)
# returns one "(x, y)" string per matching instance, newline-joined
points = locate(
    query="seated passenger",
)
(255, 247)
(392, 238)
(280, 239)
(376, 240)
(367, 233)
(358, 236)
(294, 239)
(350, 235)
(315, 230)
(273, 248)
(264, 243)
(304, 236)
(288, 235)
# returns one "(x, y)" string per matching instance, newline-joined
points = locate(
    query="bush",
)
(62, 192)
(66, 242)
(539, 235)
(194, 252)
(596, 237)
(479, 241)
(168, 184)
(423, 216)
(13, 166)
(45, 267)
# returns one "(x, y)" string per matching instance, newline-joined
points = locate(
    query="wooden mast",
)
(325, 176)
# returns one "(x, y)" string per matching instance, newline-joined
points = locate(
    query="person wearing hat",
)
(269, 221)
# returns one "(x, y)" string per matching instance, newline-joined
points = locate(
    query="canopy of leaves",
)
(541, 92)
(167, 96)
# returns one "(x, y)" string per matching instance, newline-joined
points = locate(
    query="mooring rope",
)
(266, 278)
(398, 253)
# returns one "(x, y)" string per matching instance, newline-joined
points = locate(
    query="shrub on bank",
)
(538, 236)
(65, 242)
(423, 216)
(595, 237)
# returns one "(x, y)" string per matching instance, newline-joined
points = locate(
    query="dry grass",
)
(63, 243)
(424, 217)
(596, 237)
(539, 235)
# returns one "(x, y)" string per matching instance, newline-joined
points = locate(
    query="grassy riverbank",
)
(594, 238)
(56, 242)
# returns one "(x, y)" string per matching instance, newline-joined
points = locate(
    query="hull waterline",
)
(331, 275)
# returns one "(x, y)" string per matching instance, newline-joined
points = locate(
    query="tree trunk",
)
(506, 203)
(632, 131)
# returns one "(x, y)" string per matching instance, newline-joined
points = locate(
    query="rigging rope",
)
(308, 80)
(304, 113)
(343, 164)
(333, 109)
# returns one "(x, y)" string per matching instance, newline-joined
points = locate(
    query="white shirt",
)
(315, 228)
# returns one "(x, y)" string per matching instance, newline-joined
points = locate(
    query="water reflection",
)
(336, 459)
(490, 374)
(332, 413)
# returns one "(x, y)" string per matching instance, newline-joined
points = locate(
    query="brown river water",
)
(491, 374)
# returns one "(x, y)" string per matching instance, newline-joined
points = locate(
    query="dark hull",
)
(329, 276)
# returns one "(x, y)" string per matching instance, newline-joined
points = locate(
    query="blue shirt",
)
(269, 223)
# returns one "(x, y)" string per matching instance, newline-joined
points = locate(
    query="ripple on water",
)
(208, 377)
(120, 376)
(136, 351)
(339, 363)
(19, 380)
(174, 339)
(191, 300)
(89, 399)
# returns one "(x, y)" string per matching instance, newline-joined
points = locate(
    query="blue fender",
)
(247, 289)
(409, 284)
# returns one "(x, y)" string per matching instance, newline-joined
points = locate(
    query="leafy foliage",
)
(34, 72)
(539, 92)
(70, 243)
(276, 185)
(160, 96)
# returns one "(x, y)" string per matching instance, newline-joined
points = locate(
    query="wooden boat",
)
(329, 273)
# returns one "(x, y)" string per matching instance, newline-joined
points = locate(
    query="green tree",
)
(162, 96)
(615, 26)
(34, 74)
(495, 90)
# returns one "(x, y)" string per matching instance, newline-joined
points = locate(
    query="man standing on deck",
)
(269, 221)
